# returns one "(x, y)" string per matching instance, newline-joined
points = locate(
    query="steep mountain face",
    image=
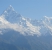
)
(11, 16)
(20, 33)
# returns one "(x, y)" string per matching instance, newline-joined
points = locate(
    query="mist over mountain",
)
(20, 33)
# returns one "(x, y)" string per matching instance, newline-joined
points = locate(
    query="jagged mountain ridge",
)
(20, 33)
(10, 19)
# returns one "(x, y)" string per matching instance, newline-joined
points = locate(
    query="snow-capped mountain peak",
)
(11, 15)
(12, 20)
(10, 8)
(16, 20)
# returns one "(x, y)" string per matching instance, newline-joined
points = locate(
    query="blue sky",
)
(35, 9)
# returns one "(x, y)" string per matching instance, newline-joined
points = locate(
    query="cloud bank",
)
(30, 29)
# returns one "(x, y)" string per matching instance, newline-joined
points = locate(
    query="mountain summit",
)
(11, 15)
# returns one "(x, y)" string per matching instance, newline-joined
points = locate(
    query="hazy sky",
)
(34, 9)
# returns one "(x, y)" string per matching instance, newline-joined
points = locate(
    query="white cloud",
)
(30, 29)
(4, 24)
